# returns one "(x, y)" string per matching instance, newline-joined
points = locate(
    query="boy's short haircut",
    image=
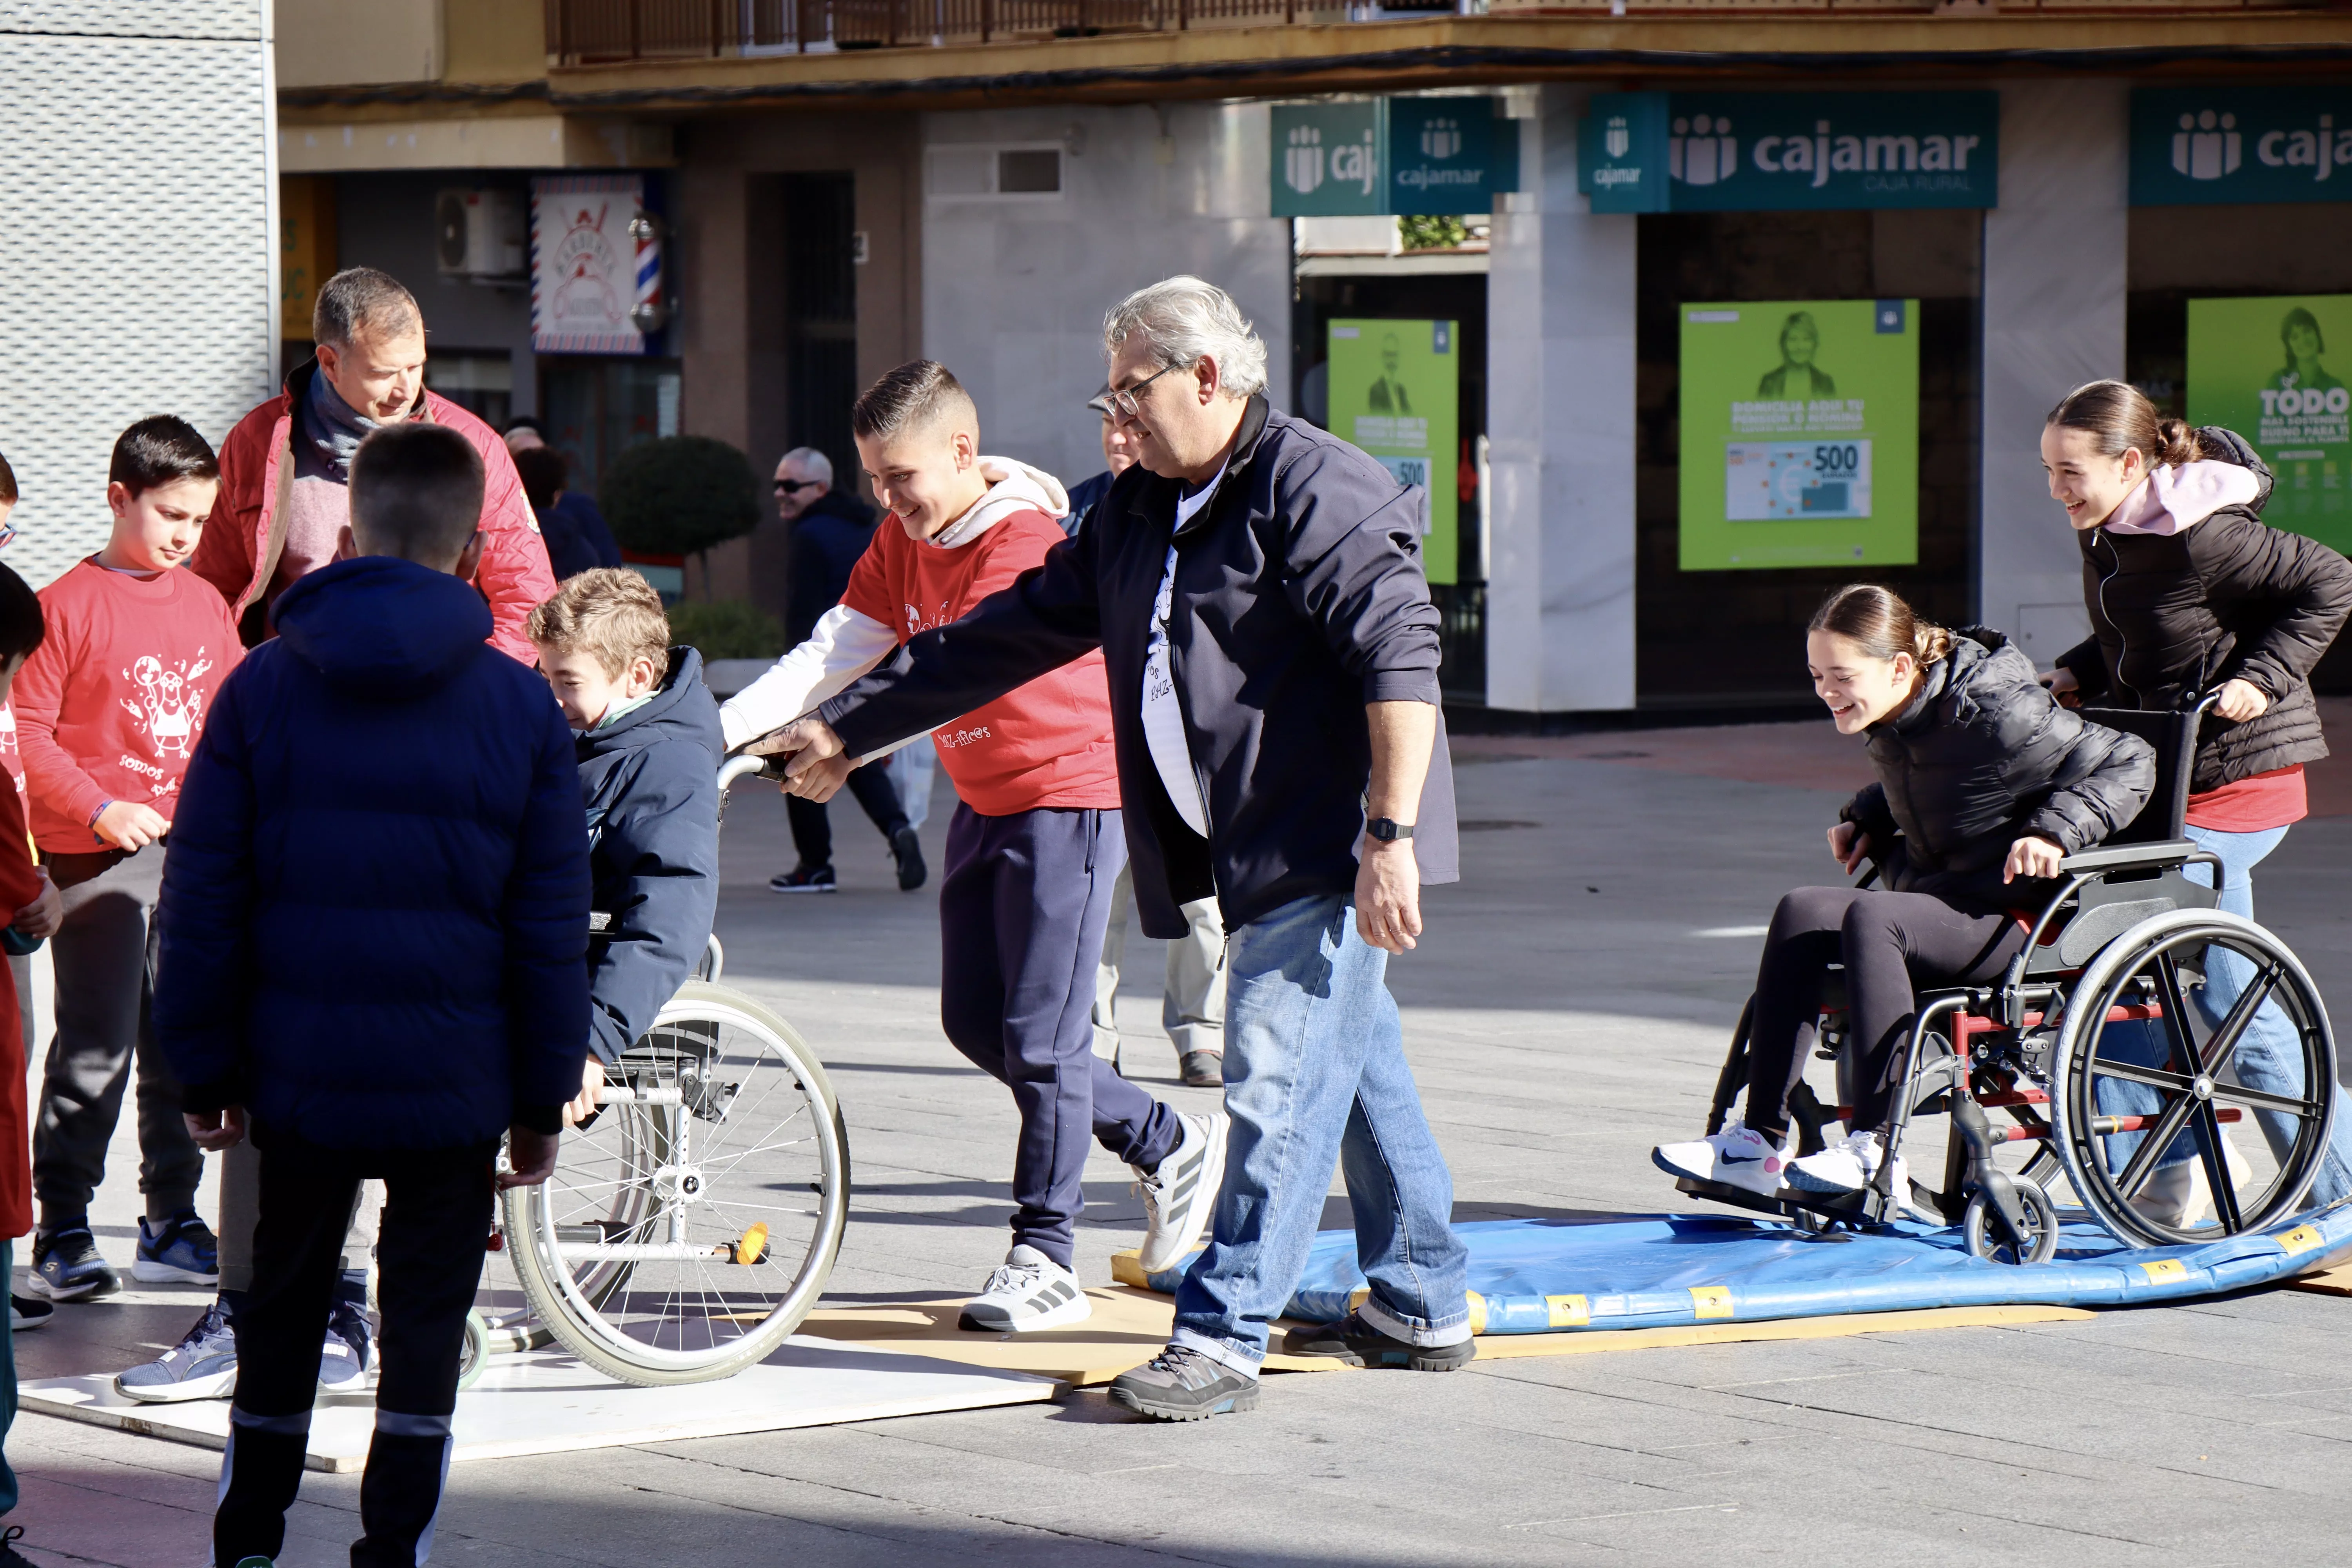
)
(363, 299)
(543, 472)
(610, 611)
(7, 484)
(916, 394)
(21, 626)
(160, 450)
(416, 493)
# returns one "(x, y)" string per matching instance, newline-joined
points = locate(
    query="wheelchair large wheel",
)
(2154, 1055)
(690, 1227)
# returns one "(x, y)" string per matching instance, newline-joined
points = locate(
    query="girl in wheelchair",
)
(1984, 784)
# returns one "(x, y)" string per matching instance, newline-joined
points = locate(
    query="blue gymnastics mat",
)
(1551, 1276)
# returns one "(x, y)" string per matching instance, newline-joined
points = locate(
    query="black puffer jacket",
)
(1982, 757)
(2225, 598)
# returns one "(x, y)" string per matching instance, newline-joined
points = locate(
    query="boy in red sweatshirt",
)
(109, 710)
(1033, 851)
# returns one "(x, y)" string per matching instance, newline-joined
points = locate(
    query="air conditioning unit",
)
(480, 232)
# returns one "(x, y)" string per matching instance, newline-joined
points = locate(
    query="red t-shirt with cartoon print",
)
(1044, 744)
(112, 704)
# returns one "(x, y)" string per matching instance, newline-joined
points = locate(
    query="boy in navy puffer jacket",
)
(374, 931)
(649, 749)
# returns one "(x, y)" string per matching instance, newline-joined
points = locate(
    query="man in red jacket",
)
(285, 469)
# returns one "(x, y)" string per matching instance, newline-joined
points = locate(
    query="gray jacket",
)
(1298, 599)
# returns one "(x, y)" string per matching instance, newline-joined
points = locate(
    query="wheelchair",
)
(2097, 1052)
(692, 1222)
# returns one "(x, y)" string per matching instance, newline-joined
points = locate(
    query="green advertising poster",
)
(2264, 369)
(1799, 434)
(1396, 392)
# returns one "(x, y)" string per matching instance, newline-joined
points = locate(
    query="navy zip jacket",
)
(828, 540)
(1298, 599)
(375, 915)
(650, 780)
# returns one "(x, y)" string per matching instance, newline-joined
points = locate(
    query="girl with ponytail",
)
(2190, 593)
(1984, 784)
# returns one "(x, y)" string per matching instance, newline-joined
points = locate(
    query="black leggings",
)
(1888, 942)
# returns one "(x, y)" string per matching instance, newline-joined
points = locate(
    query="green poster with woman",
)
(2264, 368)
(1799, 434)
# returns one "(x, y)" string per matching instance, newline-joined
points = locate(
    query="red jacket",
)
(237, 555)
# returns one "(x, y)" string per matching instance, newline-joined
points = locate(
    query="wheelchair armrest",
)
(2130, 856)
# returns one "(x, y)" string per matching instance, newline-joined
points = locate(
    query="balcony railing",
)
(596, 32)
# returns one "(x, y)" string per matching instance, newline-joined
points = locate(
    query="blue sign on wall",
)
(1439, 156)
(1773, 152)
(2196, 145)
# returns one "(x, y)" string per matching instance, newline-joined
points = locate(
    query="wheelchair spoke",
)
(2217, 1169)
(2153, 1145)
(2262, 1100)
(2224, 1043)
(2132, 1072)
(2177, 1036)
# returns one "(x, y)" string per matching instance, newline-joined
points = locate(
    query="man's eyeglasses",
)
(1128, 404)
(794, 486)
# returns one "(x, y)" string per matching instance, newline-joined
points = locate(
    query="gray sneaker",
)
(1028, 1294)
(1202, 1069)
(201, 1366)
(1181, 1194)
(1180, 1384)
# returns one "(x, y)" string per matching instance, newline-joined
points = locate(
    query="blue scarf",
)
(333, 430)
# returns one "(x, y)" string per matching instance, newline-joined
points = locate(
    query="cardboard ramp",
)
(1533, 1277)
(543, 1402)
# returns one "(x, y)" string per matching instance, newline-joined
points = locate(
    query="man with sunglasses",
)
(830, 533)
(1255, 587)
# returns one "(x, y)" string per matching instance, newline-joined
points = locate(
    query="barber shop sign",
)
(1760, 152)
(2199, 146)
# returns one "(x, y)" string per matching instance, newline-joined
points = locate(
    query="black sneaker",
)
(1180, 1384)
(9, 1556)
(907, 851)
(803, 879)
(1357, 1343)
(26, 1313)
(67, 1266)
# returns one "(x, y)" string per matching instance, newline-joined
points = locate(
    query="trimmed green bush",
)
(679, 495)
(731, 628)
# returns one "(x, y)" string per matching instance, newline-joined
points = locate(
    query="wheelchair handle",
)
(740, 766)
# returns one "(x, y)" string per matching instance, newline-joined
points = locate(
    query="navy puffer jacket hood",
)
(375, 915)
(650, 783)
(1982, 756)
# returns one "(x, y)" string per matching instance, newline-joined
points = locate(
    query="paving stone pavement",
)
(1567, 1009)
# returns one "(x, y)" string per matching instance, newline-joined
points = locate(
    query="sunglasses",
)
(787, 487)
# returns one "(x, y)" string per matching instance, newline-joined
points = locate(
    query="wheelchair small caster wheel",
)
(476, 1354)
(1981, 1230)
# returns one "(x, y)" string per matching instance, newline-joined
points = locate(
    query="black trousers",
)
(1889, 943)
(436, 1217)
(875, 790)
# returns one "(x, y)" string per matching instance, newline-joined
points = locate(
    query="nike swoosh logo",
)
(1738, 1158)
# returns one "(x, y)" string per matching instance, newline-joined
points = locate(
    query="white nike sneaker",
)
(1028, 1293)
(1179, 1196)
(1848, 1167)
(1736, 1156)
(2179, 1197)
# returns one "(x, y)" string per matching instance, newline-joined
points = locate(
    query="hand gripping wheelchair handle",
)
(741, 766)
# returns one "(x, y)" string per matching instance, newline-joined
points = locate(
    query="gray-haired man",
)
(1255, 587)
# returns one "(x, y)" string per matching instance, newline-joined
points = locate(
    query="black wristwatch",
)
(1387, 830)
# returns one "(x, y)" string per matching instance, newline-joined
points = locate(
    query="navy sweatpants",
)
(1021, 911)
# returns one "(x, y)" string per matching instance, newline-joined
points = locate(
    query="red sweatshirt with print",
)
(112, 704)
(1044, 744)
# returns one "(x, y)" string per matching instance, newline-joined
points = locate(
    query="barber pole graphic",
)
(651, 309)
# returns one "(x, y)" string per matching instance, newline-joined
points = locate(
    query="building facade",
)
(1680, 315)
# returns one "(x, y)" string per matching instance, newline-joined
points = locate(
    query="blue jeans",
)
(1315, 1074)
(2269, 1056)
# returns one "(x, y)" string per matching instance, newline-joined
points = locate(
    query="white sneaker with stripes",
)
(1028, 1293)
(1179, 1196)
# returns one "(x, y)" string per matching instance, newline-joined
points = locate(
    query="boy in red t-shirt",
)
(37, 910)
(109, 710)
(1033, 850)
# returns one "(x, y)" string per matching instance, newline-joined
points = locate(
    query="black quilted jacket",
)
(2231, 597)
(1982, 757)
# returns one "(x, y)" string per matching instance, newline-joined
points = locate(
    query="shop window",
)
(479, 381)
(595, 406)
(1735, 639)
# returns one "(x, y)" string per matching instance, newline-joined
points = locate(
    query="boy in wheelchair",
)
(1984, 784)
(649, 749)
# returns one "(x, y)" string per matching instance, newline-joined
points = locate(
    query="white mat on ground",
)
(544, 1402)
